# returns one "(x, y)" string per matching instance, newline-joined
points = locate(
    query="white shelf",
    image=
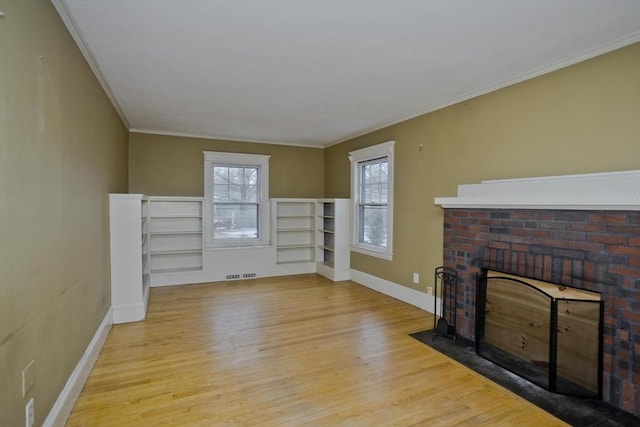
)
(287, 247)
(174, 216)
(332, 251)
(299, 261)
(175, 231)
(175, 270)
(294, 223)
(178, 251)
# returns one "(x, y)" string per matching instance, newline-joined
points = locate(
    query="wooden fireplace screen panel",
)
(554, 329)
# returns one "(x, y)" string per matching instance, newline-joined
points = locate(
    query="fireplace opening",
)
(546, 333)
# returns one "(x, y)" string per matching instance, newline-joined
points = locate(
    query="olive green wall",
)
(63, 148)
(583, 118)
(162, 165)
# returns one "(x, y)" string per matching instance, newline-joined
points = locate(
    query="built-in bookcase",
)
(175, 234)
(294, 230)
(129, 243)
(158, 241)
(144, 229)
(332, 235)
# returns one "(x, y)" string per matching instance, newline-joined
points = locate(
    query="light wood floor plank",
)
(289, 351)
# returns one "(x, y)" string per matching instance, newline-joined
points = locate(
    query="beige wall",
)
(161, 165)
(584, 118)
(62, 150)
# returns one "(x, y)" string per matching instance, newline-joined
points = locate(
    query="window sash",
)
(372, 202)
(372, 198)
(237, 208)
(235, 186)
(231, 222)
(236, 183)
(372, 225)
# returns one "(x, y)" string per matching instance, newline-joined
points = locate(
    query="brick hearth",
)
(593, 250)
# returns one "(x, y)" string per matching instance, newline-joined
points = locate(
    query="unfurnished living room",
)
(319, 212)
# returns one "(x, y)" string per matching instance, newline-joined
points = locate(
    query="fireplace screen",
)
(546, 333)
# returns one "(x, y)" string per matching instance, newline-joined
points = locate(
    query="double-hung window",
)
(236, 194)
(372, 194)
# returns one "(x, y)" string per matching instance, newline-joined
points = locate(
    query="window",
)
(236, 194)
(372, 194)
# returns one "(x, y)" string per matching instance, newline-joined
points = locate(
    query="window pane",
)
(383, 192)
(235, 184)
(235, 175)
(366, 194)
(251, 176)
(374, 192)
(235, 193)
(373, 225)
(220, 175)
(220, 193)
(384, 171)
(250, 193)
(366, 173)
(375, 172)
(235, 221)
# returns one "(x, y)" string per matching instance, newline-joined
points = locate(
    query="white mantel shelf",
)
(595, 191)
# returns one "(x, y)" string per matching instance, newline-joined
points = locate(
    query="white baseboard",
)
(220, 274)
(69, 395)
(124, 313)
(331, 273)
(394, 290)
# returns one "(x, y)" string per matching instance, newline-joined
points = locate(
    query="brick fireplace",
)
(568, 239)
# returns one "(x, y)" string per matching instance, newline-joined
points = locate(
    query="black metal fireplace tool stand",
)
(445, 280)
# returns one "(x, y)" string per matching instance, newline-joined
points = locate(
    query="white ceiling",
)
(319, 72)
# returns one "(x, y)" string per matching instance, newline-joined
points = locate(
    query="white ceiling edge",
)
(601, 50)
(97, 71)
(76, 34)
(220, 138)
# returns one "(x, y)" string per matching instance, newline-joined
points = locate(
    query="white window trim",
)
(384, 149)
(219, 158)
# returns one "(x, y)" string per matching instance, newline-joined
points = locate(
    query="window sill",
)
(378, 254)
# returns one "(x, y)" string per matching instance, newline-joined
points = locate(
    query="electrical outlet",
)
(416, 278)
(429, 291)
(29, 413)
(28, 378)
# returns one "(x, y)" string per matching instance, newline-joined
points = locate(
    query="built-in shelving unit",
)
(175, 234)
(332, 228)
(158, 241)
(294, 230)
(146, 264)
(129, 242)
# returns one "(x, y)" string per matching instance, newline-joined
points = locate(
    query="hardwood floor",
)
(289, 351)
